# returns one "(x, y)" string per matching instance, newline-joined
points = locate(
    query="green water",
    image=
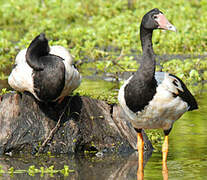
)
(187, 158)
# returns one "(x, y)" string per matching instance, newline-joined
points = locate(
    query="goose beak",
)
(164, 23)
(171, 28)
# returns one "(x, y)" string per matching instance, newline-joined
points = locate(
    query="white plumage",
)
(21, 77)
(162, 110)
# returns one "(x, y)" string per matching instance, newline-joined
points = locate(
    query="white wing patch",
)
(162, 110)
(62, 52)
(21, 78)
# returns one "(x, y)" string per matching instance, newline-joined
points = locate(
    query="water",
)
(187, 156)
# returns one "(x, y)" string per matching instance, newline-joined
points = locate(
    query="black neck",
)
(35, 51)
(146, 38)
(142, 86)
(147, 66)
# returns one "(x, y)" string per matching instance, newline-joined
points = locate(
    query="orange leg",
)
(165, 173)
(164, 154)
(140, 147)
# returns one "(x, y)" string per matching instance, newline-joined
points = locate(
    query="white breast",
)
(20, 78)
(162, 110)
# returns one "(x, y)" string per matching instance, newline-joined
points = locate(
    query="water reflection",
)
(87, 168)
(187, 156)
(164, 171)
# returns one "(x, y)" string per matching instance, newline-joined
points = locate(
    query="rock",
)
(78, 124)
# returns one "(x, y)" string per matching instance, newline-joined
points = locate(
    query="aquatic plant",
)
(32, 171)
(4, 91)
(99, 30)
(103, 36)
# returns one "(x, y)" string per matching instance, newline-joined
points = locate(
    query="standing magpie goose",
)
(46, 72)
(152, 99)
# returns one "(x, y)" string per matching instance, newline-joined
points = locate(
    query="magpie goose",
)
(46, 72)
(152, 99)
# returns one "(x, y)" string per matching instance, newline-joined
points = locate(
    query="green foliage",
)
(32, 171)
(191, 71)
(98, 89)
(87, 27)
(106, 32)
(4, 91)
(156, 137)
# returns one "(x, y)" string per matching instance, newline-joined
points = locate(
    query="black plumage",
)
(48, 69)
(142, 86)
(45, 71)
(185, 95)
(154, 99)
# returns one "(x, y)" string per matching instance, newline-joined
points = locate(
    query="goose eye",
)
(155, 17)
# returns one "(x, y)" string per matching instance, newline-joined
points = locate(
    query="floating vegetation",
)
(100, 30)
(4, 91)
(32, 171)
(98, 89)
